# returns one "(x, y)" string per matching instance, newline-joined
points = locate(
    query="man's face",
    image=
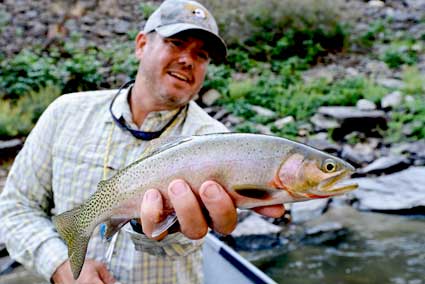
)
(172, 69)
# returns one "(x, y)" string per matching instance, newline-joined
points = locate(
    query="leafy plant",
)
(19, 117)
(399, 54)
(414, 81)
(407, 120)
(25, 72)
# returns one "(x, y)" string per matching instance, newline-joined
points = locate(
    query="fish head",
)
(313, 175)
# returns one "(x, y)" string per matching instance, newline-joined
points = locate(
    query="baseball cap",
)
(176, 16)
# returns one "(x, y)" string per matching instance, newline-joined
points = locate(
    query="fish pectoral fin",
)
(164, 225)
(113, 225)
(254, 191)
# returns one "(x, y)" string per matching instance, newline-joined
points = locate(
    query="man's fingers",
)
(104, 274)
(151, 212)
(189, 213)
(220, 207)
(274, 211)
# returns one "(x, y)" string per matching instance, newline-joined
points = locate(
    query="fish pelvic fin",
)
(76, 239)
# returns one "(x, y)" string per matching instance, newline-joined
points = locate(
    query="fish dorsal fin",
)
(163, 143)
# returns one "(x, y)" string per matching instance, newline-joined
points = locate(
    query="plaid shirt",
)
(59, 168)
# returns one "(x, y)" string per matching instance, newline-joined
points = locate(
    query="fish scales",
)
(256, 170)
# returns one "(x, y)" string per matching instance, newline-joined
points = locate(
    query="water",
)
(378, 248)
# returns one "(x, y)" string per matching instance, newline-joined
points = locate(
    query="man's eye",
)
(203, 55)
(177, 43)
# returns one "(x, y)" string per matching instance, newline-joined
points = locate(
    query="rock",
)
(414, 151)
(255, 225)
(9, 149)
(392, 100)
(304, 211)
(280, 123)
(358, 155)
(329, 233)
(385, 165)
(263, 129)
(376, 3)
(221, 114)
(318, 73)
(255, 233)
(122, 27)
(210, 97)
(320, 141)
(261, 111)
(364, 104)
(402, 192)
(352, 119)
(233, 120)
(416, 4)
(390, 83)
(321, 122)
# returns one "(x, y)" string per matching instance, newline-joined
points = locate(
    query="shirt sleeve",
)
(26, 202)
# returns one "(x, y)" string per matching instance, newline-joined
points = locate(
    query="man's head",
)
(176, 16)
(174, 50)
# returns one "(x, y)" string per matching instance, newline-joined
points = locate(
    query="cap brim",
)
(214, 43)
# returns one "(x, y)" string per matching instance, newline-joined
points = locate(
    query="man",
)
(82, 138)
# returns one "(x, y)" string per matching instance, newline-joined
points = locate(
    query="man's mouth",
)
(179, 76)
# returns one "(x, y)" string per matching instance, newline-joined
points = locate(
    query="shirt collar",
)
(153, 122)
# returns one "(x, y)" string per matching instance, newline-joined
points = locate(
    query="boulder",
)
(358, 155)
(353, 119)
(9, 149)
(210, 97)
(304, 211)
(385, 165)
(320, 141)
(329, 233)
(364, 104)
(255, 233)
(392, 100)
(402, 192)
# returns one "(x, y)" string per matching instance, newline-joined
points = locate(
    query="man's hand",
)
(194, 223)
(93, 272)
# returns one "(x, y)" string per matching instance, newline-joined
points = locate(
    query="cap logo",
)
(199, 13)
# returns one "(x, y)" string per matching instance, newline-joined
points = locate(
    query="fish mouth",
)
(337, 183)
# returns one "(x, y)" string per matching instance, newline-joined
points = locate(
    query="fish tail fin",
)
(75, 237)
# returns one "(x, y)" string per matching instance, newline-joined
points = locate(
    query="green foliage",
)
(218, 78)
(277, 30)
(18, 118)
(26, 72)
(414, 81)
(297, 98)
(376, 30)
(407, 120)
(81, 71)
(398, 54)
(147, 9)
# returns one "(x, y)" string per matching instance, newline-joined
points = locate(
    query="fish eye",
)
(329, 166)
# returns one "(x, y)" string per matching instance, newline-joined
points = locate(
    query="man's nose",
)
(186, 59)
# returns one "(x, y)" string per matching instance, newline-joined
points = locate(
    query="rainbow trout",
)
(257, 170)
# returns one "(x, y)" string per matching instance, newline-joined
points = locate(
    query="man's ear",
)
(141, 40)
